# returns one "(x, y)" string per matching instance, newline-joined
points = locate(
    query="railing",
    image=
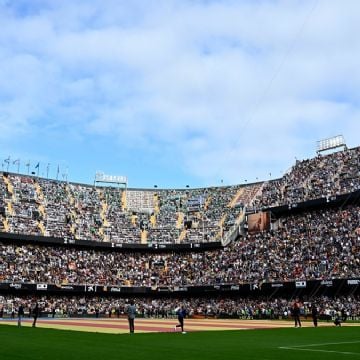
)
(234, 231)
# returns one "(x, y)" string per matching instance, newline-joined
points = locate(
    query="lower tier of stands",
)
(346, 307)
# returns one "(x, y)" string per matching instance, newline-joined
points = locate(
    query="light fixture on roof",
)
(331, 143)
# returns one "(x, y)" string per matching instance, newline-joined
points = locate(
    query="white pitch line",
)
(325, 351)
(324, 344)
(302, 348)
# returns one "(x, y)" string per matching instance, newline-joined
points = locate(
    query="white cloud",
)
(221, 81)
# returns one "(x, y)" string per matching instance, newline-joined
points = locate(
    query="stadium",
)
(179, 179)
(236, 257)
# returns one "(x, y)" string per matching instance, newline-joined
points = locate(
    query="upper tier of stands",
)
(320, 177)
(36, 206)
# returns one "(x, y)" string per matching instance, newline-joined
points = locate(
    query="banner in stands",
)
(42, 240)
(353, 282)
(41, 286)
(259, 222)
(300, 284)
(259, 289)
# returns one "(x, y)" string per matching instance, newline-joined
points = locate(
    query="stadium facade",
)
(296, 236)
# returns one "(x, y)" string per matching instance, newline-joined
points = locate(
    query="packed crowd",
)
(319, 177)
(35, 206)
(243, 308)
(312, 245)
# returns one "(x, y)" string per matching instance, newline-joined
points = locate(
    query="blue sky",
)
(175, 92)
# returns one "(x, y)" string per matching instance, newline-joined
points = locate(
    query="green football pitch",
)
(270, 344)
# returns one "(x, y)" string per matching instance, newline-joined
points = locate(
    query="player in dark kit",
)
(20, 314)
(35, 313)
(314, 314)
(296, 313)
(181, 313)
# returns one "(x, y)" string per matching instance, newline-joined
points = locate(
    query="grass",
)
(309, 343)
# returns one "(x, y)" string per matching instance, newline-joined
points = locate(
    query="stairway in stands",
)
(72, 213)
(144, 234)
(9, 203)
(41, 208)
(156, 210)
(103, 229)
